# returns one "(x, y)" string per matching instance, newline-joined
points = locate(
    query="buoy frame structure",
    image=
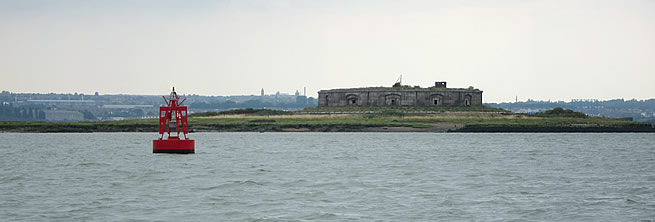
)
(172, 123)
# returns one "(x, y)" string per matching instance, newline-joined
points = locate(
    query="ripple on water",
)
(329, 176)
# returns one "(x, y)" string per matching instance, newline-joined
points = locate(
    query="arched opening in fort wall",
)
(392, 99)
(436, 99)
(352, 100)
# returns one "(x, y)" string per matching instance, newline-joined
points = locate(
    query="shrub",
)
(559, 112)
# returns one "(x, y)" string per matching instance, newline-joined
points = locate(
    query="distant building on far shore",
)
(399, 95)
(63, 116)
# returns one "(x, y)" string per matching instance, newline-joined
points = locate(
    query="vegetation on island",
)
(248, 111)
(402, 109)
(560, 112)
(350, 119)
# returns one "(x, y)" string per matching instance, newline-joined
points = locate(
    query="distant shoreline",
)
(437, 123)
(378, 130)
(359, 119)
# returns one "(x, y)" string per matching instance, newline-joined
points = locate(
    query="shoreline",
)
(448, 128)
(462, 122)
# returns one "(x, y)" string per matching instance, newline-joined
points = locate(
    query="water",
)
(330, 177)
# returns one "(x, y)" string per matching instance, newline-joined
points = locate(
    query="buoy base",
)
(173, 146)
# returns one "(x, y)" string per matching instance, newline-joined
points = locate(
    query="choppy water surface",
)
(329, 176)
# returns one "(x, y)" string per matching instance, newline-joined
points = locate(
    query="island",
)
(445, 118)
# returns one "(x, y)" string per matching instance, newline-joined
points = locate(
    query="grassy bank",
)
(145, 125)
(402, 109)
(382, 121)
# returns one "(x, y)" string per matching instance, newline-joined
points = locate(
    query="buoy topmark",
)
(173, 119)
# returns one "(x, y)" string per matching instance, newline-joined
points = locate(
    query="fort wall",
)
(400, 96)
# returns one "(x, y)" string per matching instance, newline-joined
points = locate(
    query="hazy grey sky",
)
(558, 50)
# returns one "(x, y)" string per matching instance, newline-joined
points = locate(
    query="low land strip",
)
(340, 120)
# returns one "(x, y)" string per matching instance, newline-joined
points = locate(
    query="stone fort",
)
(400, 95)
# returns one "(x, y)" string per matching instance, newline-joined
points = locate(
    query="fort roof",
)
(402, 88)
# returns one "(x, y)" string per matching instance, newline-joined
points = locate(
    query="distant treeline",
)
(253, 104)
(638, 110)
(615, 103)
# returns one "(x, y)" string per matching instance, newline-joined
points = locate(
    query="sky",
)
(542, 50)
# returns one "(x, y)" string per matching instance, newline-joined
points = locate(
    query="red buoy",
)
(173, 119)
